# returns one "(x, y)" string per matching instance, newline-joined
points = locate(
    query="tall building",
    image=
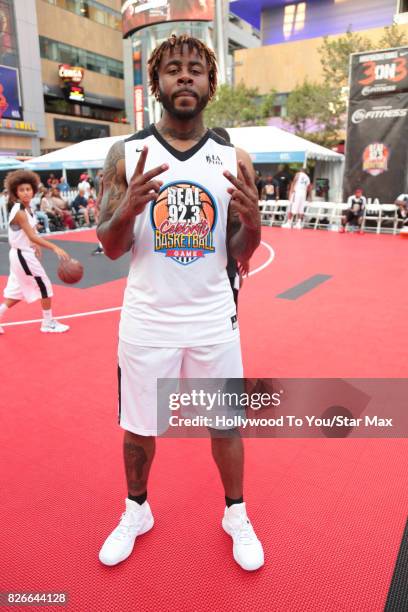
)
(293, 31)
(81, 50)
(21, 102)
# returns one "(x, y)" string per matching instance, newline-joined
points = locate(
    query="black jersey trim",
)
(180, 155)
(140, 135)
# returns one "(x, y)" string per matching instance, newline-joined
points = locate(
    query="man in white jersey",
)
(300, 190)
(174, 194)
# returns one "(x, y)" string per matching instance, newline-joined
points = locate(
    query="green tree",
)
(325, 104)
(393, 36)
(335, 57)
(238, 106)
(317, 104)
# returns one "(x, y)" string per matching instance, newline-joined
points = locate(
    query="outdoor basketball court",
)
(331, 513)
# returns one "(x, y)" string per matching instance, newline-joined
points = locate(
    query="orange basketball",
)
(161, 207)
(70, 271)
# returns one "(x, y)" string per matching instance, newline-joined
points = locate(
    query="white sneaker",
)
(119, 544)
(247, 549)
(54, 327)
(287, 225)
(298, 225)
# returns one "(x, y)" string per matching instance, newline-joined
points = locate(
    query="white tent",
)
(266, 144)
(271, 145)
(85, 154)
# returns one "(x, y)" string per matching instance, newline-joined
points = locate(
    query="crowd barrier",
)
(377, 218)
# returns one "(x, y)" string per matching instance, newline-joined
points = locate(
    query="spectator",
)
(300, 191)
(259, 182)
(63, 186)
(38, 214)
(402, 211)
(80, 205)
(92, 208)
(284, 179)
(98, 182)
(62, 206)
(54, 215)
(271, 188)
(52, 181)
(84, 185)
(354, 214)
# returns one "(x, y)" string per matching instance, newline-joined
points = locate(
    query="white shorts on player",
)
(140, 367)
(28, 280)
(297, 204)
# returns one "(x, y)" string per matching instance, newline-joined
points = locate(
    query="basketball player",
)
(27, 280)
(300, 191)
(172, 196)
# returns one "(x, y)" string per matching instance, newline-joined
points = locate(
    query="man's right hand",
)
(142, 189)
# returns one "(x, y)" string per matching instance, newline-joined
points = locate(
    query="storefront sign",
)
(71, 74)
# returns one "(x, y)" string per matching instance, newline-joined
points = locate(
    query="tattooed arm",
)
(121, 203)
(244, 222)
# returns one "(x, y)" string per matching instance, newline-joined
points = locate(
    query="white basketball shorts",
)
(27, 280)
(139, 368)
(297, 204)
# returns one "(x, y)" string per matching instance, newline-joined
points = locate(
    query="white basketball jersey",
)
(178, 293)
(17, 237)
(302, 182)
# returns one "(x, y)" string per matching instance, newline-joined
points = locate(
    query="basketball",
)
(162, 204)
(70, 271)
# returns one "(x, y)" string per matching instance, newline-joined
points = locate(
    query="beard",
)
(168, 103)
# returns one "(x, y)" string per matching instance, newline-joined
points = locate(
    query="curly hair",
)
(17, 178)
(177, 42)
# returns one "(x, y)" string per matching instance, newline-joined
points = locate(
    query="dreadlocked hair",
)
(177, 42)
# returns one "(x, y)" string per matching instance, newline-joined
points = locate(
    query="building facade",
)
(292, 32)
(81, 51)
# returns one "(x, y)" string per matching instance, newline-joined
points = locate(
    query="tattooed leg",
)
(138, 452)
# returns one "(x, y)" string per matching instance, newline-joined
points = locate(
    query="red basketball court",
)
(331, 513)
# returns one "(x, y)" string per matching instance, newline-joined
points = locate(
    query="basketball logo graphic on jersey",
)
(183, 218)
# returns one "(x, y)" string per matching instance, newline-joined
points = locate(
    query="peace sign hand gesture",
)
(244, 197)
(142, 188)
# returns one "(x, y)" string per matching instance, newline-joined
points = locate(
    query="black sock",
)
(139, 499)
(229, 501)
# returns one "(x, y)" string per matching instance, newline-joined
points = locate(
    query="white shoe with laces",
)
(137, 519)
(247, 549)
(53, 327)
(299, 225)
(287, 225)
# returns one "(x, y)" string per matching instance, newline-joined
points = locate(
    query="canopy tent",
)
(265, 144)
(10, 163)
(85, 154)
(269, 144)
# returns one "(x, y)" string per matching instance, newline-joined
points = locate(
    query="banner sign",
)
(140, 13)
(379, 73)
(10, 99)
(377, 127)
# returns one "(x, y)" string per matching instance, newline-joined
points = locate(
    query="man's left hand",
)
(244, 197)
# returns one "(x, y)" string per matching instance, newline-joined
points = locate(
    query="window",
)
(403, 6)
(294, 19)
(91, 9)
(63, 107)
(66, 54)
